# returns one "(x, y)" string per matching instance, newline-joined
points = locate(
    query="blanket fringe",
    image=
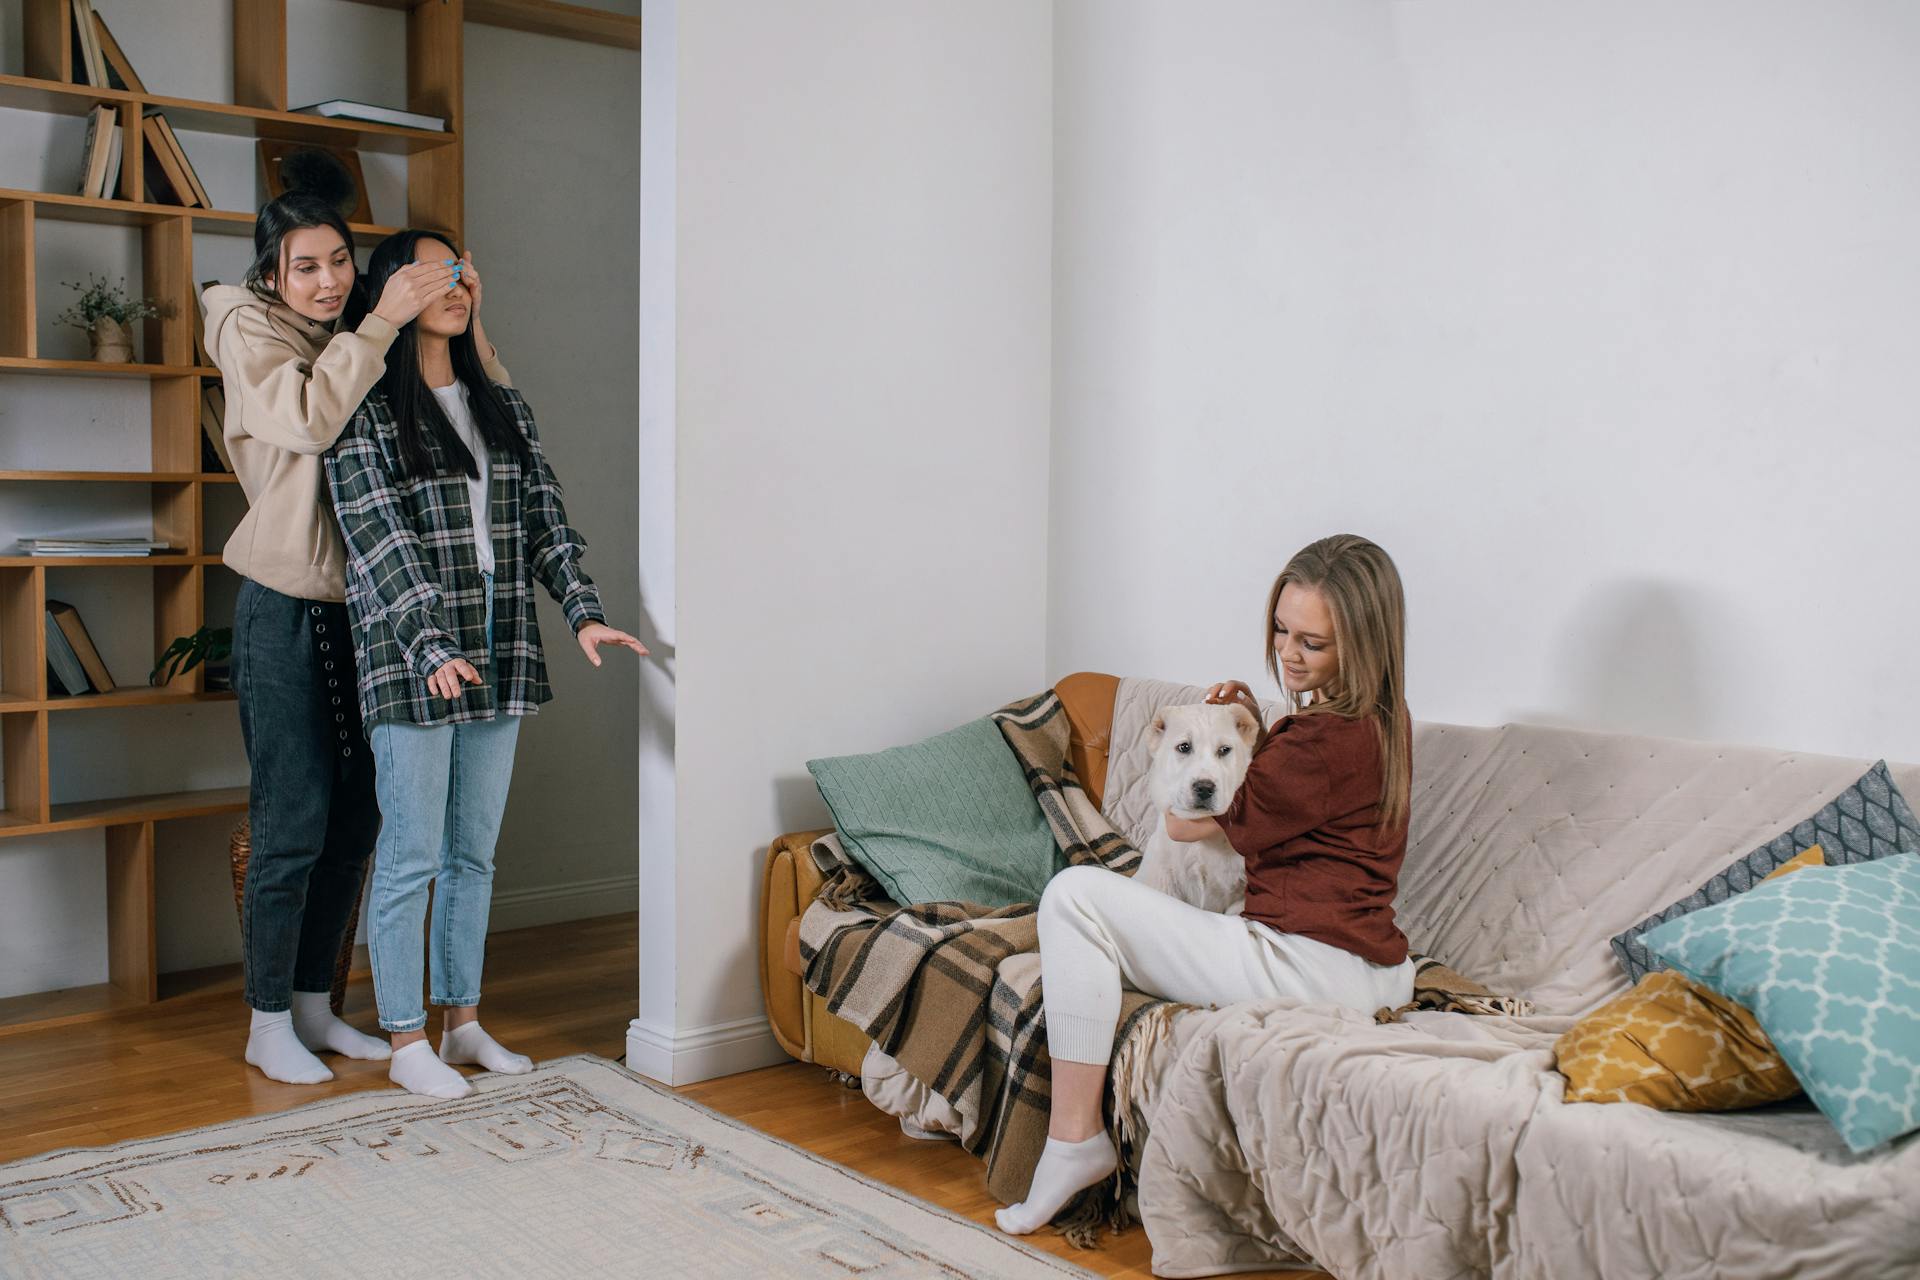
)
(1105, 1206)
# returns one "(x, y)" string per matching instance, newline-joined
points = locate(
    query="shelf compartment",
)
(26, 93)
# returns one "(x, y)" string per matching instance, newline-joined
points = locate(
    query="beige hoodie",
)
(292, 384)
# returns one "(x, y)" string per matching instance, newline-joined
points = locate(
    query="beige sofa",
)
(1441, 1146)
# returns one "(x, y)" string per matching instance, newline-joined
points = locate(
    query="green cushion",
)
(946, 820)
(1828, 959)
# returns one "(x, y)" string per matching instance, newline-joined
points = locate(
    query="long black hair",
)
(280, 218)
(428, 443)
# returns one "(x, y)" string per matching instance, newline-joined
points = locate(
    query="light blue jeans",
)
(443, 790)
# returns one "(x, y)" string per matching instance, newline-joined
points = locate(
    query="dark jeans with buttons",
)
(313, 808)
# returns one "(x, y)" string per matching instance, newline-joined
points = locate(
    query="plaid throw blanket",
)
(1439, 989)
(952, 990)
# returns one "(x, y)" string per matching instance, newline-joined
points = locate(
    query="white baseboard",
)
(553, 903)
(702, 1053)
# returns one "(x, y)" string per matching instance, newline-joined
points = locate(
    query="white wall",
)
(1597, 316)
(550, 123)
(845, 354)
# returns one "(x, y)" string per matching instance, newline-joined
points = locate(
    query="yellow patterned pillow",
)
(1674, 1045)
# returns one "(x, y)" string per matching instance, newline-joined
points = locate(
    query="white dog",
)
(1200, 757)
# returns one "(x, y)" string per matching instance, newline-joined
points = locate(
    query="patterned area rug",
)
(580, 1168)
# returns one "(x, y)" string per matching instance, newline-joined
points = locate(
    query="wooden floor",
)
(551, 991)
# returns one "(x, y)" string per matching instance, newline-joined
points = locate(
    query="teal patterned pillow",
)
(1869, 820)
(1828, 960)
(950, 819)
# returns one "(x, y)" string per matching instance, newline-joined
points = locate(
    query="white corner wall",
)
(845, 361)
(1598, 316)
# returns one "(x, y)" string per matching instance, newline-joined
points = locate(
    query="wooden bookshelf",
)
(178, 486)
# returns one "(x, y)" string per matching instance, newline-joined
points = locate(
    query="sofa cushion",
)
(1828, 959)
(1868, 820)
(950, 819)
(1675, 1045)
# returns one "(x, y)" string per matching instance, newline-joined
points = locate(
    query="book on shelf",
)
(64, 673)
(168, 166)
(213, 425)
(90, 62)
(75, 631)
(110, 181)
(93, 547)
(120, 72)
(347, 109)
(96, 155)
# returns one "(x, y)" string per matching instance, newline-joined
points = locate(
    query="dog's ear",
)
(1244, 721)
(1156, 731)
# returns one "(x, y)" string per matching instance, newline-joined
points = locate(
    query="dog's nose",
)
(1203, 790)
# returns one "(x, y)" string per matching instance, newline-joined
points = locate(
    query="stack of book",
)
(98, 59)
(93, 547)
(73, 664)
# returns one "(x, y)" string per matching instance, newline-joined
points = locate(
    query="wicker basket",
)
(241, 849)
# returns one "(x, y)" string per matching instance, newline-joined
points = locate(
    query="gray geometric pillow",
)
(1869, 820)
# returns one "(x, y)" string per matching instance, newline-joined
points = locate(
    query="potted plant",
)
(211, 645)
(104, 311)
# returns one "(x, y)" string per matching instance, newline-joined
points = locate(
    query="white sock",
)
(1065, 1169)
(273, 1047)
(415, 1069)
(467, 1044)
(318, 1029)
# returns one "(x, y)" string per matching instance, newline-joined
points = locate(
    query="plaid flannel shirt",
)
(414, 590)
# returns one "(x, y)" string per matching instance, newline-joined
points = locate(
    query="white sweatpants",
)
(1099, 930)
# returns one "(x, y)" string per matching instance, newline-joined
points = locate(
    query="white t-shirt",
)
(453, 399)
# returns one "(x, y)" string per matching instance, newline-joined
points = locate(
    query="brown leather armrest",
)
(788, 884)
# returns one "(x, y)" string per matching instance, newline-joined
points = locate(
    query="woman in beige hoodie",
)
(292, 382)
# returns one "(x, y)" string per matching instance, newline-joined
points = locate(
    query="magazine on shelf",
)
(92, 547)
(347, 109)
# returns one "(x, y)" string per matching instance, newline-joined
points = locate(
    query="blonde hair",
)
(1362, 589)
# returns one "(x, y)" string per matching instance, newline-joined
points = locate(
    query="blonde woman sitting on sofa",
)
(1322, 823)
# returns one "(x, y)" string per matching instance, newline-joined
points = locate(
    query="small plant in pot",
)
(104, 310)
(211, 645)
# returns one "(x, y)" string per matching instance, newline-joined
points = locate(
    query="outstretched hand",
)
(595, 634)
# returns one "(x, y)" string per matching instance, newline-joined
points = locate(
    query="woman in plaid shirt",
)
(448, 648)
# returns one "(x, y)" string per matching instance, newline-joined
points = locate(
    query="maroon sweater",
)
(1307, 820)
